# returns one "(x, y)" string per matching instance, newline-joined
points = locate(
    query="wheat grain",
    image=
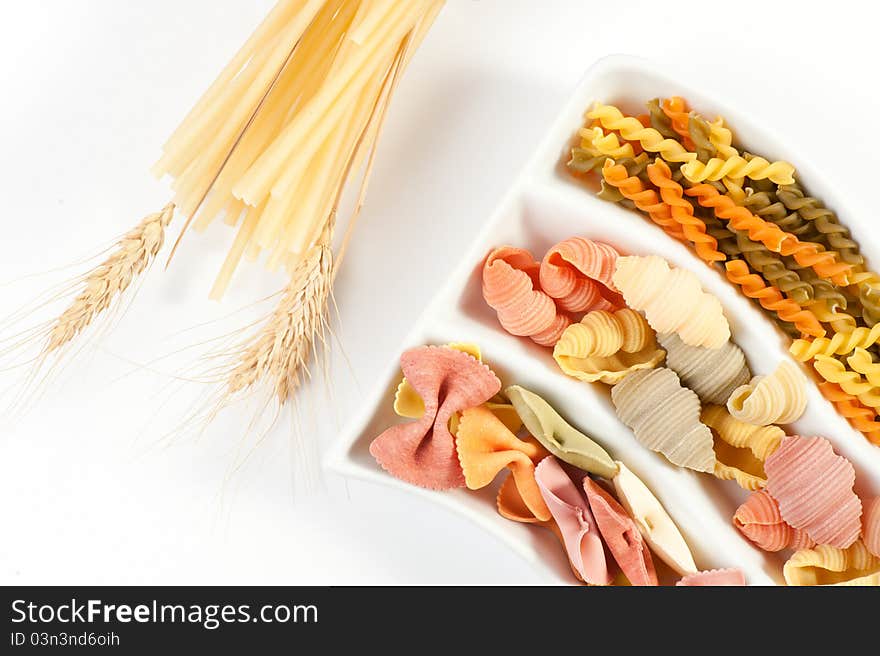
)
(107, 281)
(280, 352)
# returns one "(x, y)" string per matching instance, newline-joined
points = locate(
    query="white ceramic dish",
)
(544, 206)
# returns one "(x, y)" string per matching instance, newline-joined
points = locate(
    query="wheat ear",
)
(107, 281)
(280, 353)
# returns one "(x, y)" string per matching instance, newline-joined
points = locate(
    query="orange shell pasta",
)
(511, 288)
(577, 273)
(761, 522)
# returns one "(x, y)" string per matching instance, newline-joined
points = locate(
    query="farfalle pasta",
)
(779, 398)
(712, 374)
(605, 346)
(422, 452)
(672, 299)
(665, 417)
(485, 446)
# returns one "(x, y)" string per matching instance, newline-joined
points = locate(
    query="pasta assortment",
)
(678, 380)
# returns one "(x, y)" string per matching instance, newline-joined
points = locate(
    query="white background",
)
(89, 89)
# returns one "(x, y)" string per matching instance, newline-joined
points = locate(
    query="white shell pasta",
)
(779, 398)
(672, 300)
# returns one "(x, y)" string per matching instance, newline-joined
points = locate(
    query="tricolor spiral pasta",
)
(826, 223)
(772, 299)
(824, 263)
(838, 344)
(851, 382)
(860, 416)
(736, 166)
(672, 300)
(676, 110)
(770, 267)
(682, 212)
(631, 129)
(647, 200)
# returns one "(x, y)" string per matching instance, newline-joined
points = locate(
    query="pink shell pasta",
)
(570, 509)
(577, 273)
(423, 452)
(621, 535)
(871, 525)
(714, 577)
(511, 288)
(814, 489)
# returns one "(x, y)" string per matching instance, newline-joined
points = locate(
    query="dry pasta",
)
(558, 436)
(711, 373)
(672, 300)
(827, 565)
(665, 417)
(485, 446)
(779, 398)
(605, 346)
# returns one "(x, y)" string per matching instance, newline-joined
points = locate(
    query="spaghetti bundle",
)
(270, 148)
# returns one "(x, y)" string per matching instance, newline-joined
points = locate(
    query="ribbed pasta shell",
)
(672, 300)
(577, 273)
(714, 577)
(871, 525)
(814, 489)
(779, 398)
(712, 373)
(605, 346)
(827, 565)
(510, 287)
(760, 521)
(665, 417)
(760, 440)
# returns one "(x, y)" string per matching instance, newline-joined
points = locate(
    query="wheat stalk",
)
(107, 281)
(280, 352)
